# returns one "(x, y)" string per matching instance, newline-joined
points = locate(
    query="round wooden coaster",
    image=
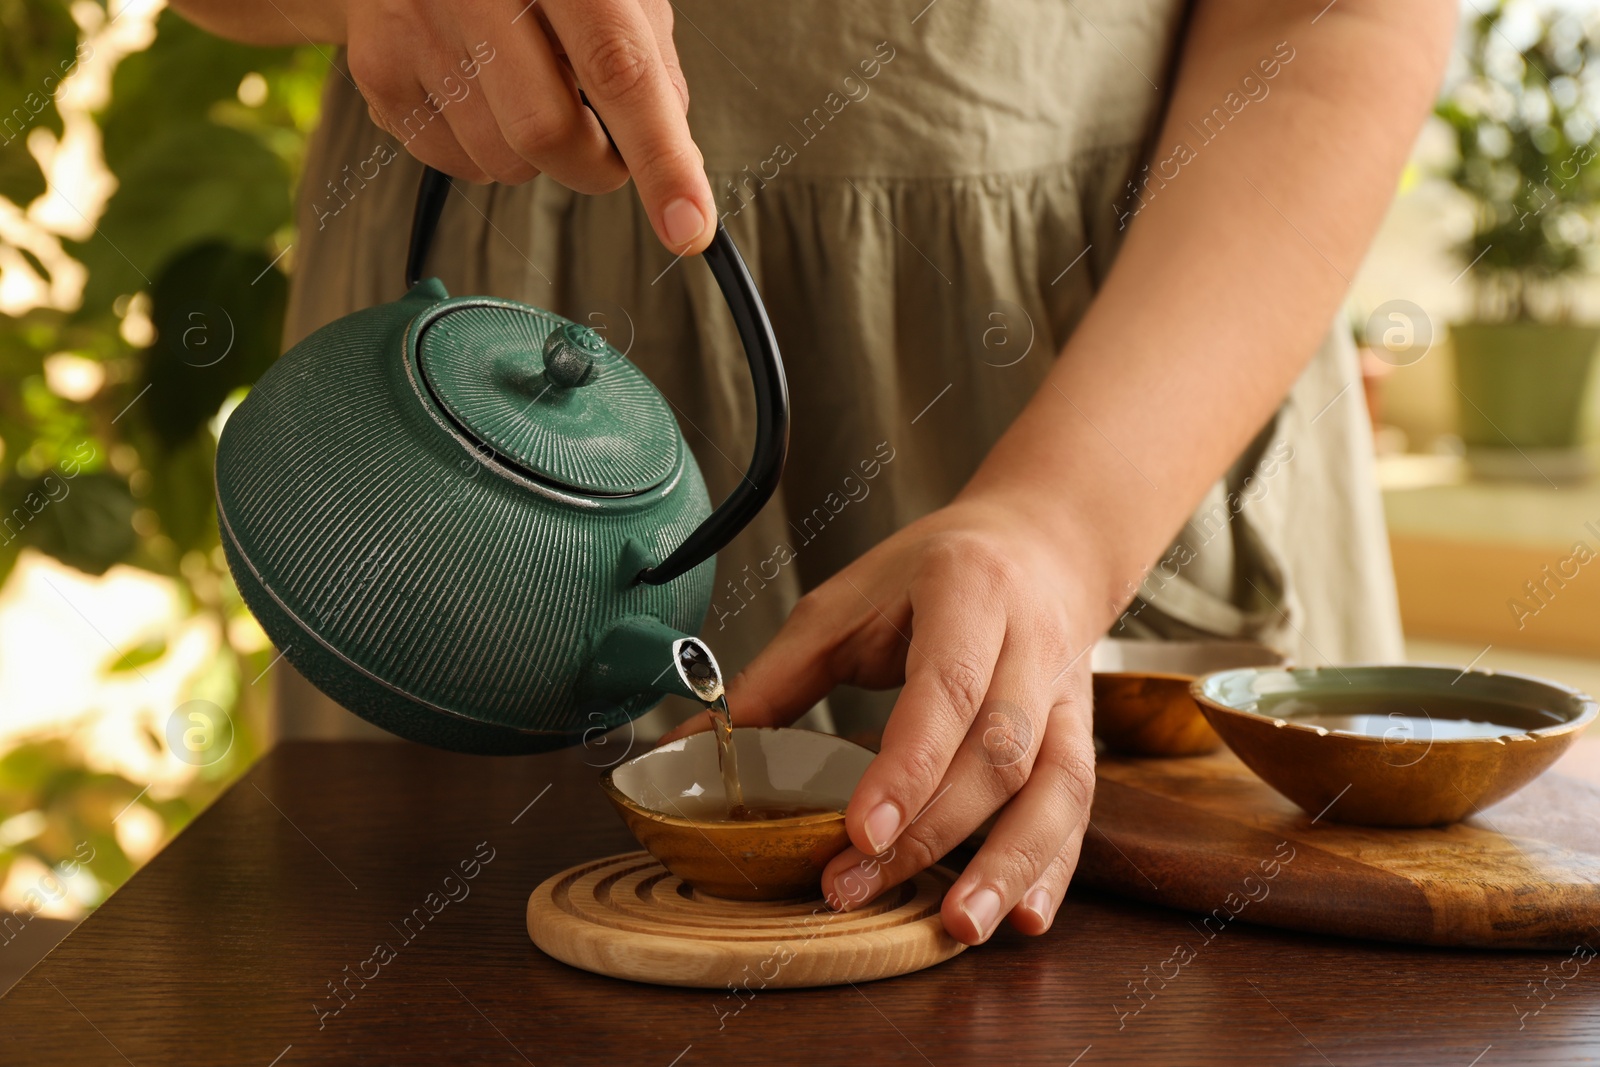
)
(627, 917)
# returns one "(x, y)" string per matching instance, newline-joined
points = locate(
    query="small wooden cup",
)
(665, 797)
(1142, 704)
(1396, 779)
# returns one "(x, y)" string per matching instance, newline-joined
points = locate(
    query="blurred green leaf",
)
(26, 769)
(89, 525)
(177, 79)
(233, 189)
(21, 180)
(218, 314)
(181, 493)
(10, 549)
(38, 47)
(159, 136)
(140, 655)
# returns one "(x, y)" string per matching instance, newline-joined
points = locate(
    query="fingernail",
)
(883, 823)
(852, 887)
(683, 221)
(983, 909)
(1038, 902)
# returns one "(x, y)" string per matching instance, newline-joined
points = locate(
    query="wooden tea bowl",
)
(671, 799)
(1142, 704)
(1401, 777)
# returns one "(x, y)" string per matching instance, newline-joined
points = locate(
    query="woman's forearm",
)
(268, 22)
(1238, 253)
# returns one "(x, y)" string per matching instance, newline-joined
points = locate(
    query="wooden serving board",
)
(627, 917)
(1205, 835)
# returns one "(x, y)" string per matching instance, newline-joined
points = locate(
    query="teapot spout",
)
(641, 654)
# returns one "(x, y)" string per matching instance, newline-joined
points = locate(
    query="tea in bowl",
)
(1402, 745)
(796, 785)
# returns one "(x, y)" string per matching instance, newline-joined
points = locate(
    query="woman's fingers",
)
(958, 629)
(509, 110)
(1037, 911)
(614, 50)
(422, 133)
(1034, 844)
(1040, 828)
(659, 12)
(402, 106)
(959, 805)
(532, 102)
(475, 129)
(1027, 749)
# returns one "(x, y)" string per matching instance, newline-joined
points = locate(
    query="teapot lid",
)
(549, 396)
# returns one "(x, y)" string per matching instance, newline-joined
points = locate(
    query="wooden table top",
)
(226, 946)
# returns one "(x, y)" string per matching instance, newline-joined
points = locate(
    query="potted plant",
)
(1526, 119)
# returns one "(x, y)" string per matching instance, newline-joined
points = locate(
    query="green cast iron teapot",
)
(474, 523)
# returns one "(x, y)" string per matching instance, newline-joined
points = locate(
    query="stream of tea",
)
(700, 671)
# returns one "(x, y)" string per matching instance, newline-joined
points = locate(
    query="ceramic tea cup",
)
(1142, 704)
(671, 799)
(1404, 745)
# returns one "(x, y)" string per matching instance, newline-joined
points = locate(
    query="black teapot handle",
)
(760, 481)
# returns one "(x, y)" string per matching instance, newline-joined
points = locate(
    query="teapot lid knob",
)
(569, 355)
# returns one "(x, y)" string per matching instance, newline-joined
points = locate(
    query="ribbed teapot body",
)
(412, 573)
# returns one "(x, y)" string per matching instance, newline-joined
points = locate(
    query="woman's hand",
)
(980, 614)
(487, 90)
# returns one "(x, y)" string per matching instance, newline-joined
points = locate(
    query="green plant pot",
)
(1522, 383)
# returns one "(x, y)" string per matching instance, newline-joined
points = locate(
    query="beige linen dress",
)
(928, 195)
